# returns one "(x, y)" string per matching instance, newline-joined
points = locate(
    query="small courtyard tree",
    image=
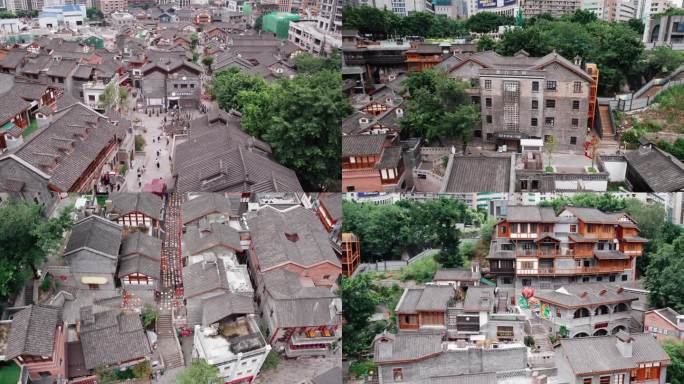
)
(549, 147)
(199, 371)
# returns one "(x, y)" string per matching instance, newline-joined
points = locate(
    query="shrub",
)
(139, 143)
(529, 341)
(150, 314)
(360, 369)
(271, 362)
(421, 271)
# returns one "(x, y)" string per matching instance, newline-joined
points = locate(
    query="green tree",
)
(675, 372)
(663, 60)
(664, 275)
(94, 14)
(308, 63)
(26, 238)
(484, 22)
(371, 21)
(110, 97)
(297, 125)
(438, 108)
(583, 16)
(360, 301)
(199, 371)
(149, 315)
(227, 84)
(142, 370)
(486, 43)
(207, 61)
(636, 25)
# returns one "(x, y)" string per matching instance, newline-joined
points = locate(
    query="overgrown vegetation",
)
(149, 315)
(199, 371)
(421, 271)
(271, 362)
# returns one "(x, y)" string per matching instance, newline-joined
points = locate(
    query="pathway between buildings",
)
(171, 261)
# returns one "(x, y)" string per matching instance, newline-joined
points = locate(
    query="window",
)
(507, 280)
(575, 104)
(573, 228)
(577, 87)
(551, 85)
(351, 188)
(574, 123)
(549, 122)
(624, 277)
(488, 102)
(535, 104)
(488, 84)
(398, 374)
(91, 97)
(585, 279)
(533, 122)
(604, 380)
(475, 99)
(587, 380)
(489, 119)
(611, 278)
(535, 86)
(573, 140)
(550, 103)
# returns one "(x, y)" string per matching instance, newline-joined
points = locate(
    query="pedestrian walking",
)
(157, 165)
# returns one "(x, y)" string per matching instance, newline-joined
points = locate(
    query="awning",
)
(93, 280)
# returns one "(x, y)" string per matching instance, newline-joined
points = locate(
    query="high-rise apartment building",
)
(556, 8)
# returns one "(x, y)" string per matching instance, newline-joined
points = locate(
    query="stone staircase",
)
(606, 126)
(167, 342)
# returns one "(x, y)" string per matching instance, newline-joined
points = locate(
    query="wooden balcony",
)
(552, 271)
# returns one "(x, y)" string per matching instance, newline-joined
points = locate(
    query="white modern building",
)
(401, 7)
(237, 348)
(67, 16)
(310, 38)
(500, 7)
(611, 10)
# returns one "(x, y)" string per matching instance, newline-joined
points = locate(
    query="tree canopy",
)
(199, 371)
(387, 231)
(26, 238)
(295, 116)
(383, 23)
(438, 108)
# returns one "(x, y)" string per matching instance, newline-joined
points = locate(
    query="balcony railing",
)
(570, 271)
(303, 339)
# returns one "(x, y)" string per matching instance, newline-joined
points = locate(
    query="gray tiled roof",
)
(333, 203)
(210, 203)
(11, 104)
(405, 346)
(530, 214)
(33, 331)
(668, 313)
(592, 215)
(429, 298)
(660, 170)
(124, 203)
(200, 278)
(13, 58)
(296, 305)
(113, 337)
(359, 145)
(479, 299)
(85, 132)
(29, 90)
(97, 234)
(473, 378)
(390, 158)
(219, 235)
(226, 159)
(570, 295)
(61, 68)
(456, 274)
(226, 304)
(587, 355)
(140, 253)
(331, 376)
(268, 230)
(479, 174)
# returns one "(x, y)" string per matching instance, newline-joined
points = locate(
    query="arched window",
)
(601, 332)
(618, 329)
(581, 312)
(622, 307)
(581, 334)
(602, 310)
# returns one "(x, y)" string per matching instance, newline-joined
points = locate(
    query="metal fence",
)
(634, 104)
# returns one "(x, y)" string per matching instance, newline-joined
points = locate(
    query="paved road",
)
(155, 142)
